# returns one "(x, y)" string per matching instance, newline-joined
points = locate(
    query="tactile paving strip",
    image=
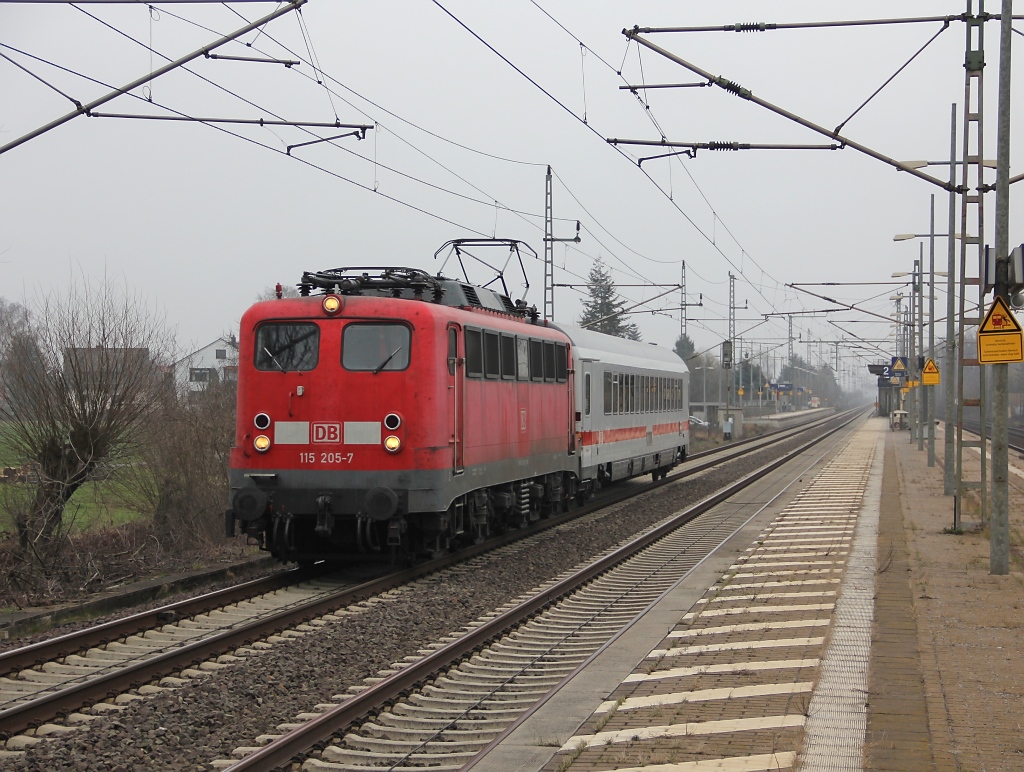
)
(730, 688)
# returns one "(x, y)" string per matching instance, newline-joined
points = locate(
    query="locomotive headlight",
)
(392, 444)
(332, 304)
(261, 443)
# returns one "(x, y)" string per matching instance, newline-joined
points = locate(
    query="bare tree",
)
(78, 381)
(182, 471)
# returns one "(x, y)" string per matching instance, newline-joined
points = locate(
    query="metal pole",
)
(999, 529)
(949, 366)
(921, 403)
(911, 344)
(930, 390)
(86, 108)
(549, 254)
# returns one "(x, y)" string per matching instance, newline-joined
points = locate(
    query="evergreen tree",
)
(603, 311)
(684, 347)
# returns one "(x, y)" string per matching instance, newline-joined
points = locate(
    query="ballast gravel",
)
(187, 728)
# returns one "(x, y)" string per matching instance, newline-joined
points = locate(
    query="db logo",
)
(326, 432)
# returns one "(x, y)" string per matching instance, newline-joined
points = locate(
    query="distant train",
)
(391, 410)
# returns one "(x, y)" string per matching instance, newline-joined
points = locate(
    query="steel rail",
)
(13, 660)
(317, 730)
(86, 692)
(35, 654)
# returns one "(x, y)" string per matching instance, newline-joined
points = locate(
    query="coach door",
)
(585, 409)
(457, 390)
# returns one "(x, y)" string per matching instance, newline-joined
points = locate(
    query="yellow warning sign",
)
(1000, 337)
(930, 374)
(899, 365)
(1000, 319)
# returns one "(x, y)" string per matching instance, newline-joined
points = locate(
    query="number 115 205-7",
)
(326, 457)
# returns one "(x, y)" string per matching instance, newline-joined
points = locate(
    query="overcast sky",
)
(202, 219)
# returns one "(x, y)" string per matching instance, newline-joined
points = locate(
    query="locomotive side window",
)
(375, 347)
(561, 363)
(536, 360)
(287, 346)
(549, 361)
(508, 357)
(474, 353)
(492, 355)
(523, 358)
(607, 393)
(586, 394)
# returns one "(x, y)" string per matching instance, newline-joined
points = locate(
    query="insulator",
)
(735, 88)
(753, 26)
(723, 145)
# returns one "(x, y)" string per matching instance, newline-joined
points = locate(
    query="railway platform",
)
(842, 629)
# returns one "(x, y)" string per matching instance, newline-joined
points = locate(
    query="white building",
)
(216, 361)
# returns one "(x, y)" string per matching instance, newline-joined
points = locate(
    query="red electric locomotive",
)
(407, 411)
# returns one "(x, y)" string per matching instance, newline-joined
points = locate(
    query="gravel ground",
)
(187, 728)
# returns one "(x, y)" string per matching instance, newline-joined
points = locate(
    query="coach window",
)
(523, 358)
(375, 347)
(536, 360)
(492, 355)
(607, 393)
(508, 357)
(549, 360)
(586, 394)
(474, 353)
(287, 346)
(561, 363)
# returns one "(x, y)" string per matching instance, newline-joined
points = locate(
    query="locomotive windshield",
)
(287, 346)
(375, 347)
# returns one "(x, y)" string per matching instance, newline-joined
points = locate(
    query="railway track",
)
(444, 708)
(1015, 434)
(59, 677)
